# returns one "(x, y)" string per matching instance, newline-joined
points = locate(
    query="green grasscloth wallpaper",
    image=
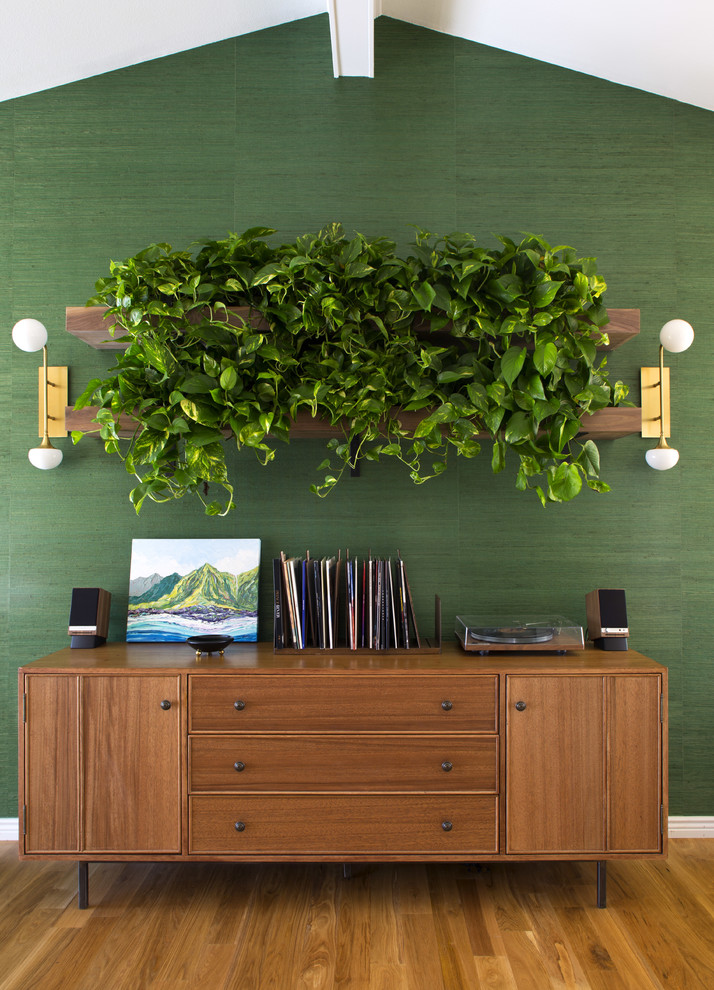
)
(449, 135)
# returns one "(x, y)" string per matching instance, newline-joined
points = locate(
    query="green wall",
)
(449, 135)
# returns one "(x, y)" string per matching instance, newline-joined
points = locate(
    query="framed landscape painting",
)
(182, 588)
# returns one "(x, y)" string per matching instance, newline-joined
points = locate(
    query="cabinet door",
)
(51, 763)
(634, 763)
(131, 763)
(555, 776)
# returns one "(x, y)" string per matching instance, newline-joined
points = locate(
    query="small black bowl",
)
(209, 644)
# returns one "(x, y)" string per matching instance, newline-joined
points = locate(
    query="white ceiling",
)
(656, 46)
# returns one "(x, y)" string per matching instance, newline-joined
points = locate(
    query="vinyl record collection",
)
(361, 603)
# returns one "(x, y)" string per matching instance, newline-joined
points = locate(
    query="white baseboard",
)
(9, 829)
(680, 827)
(691, 827)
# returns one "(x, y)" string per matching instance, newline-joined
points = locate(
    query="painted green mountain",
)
(163, 587)
(206, 587)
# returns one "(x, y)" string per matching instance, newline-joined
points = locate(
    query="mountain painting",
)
(182, 588)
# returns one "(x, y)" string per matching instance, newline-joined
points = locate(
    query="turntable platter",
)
(513, 635)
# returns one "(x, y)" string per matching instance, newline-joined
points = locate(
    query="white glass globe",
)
(29, 335)
(676, 336)
(45, 458)
(662, 458)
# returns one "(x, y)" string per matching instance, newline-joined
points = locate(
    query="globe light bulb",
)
(676, 336)
(45, 457)
(29, 335)
(662, 458)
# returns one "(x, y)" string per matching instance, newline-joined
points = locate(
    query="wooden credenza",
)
(138, 752)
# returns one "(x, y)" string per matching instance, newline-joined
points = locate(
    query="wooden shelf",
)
(91, 324)
(605, 424)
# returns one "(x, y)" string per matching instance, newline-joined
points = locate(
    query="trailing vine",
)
(480, 342)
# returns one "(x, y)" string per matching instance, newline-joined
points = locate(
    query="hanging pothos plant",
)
(497, 343)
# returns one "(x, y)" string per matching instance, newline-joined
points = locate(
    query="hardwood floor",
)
(388, 927)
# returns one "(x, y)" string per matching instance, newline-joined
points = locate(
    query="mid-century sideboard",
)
(142, 752)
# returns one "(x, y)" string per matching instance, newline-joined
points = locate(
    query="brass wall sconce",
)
(675, 336)
(31, 335)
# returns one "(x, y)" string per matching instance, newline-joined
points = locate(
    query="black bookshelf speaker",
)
(606, 611)
(89, 617)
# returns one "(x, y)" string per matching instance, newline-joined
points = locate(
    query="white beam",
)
(352, 36)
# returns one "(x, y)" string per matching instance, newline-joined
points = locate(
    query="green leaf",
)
(564, 482)
(478, 395)
(562, 432)
(228, 379)
(200, 412)
(582, 286)
(544, 293)
(454, 376)
(511, 364)
(88, 394)
(589, 458)
(597, 485)
(498, 456)
(545, 356)
(534, 386)
(442, 297)
(197, 385)
(519, 427)
(493, 418)
(266, 274)
(424, 295)
(357, 269)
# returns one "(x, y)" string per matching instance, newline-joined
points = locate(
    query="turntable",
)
(522, 634)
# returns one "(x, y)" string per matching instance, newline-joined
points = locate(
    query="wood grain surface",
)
(388, 927)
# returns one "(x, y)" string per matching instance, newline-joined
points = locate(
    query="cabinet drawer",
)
(308, 762)
(343, 702)
(343, 824)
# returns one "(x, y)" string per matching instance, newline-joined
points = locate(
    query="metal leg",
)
(354, 463)
(347, 870)
(602, 883)
(82, 885)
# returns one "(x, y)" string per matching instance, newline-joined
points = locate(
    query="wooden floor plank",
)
(421, 953)
(671, 915)
(315, 962)
(383, 922)
(458, 967)
(278, 915)
(408, 926)
(608, 961)
(353, 931)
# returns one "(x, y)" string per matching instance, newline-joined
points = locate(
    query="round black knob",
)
(520, 706)
(239, 705)
(165, 705)
(447, 826)
(240, 826)
(239, 766)
(447, 705)
(447, 767)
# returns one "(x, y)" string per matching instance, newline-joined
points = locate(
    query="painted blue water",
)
(167, 628)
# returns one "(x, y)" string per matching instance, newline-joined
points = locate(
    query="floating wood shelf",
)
(92, 325)
(605, 424)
